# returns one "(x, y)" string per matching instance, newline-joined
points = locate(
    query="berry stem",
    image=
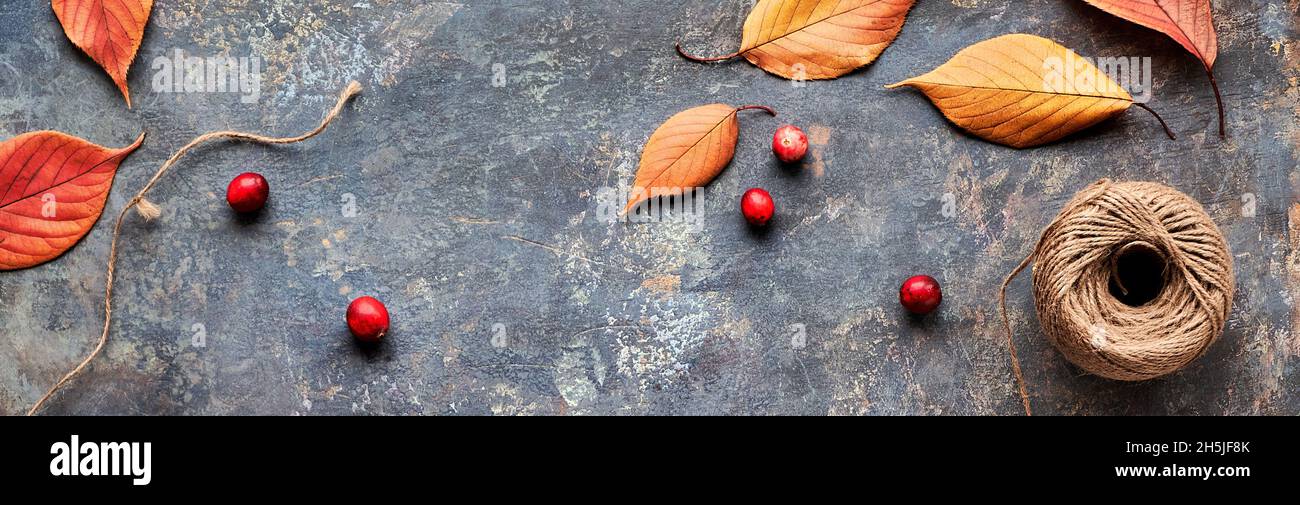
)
(1223, 128)
(764, 108)
(698, 59)
(1168, 132)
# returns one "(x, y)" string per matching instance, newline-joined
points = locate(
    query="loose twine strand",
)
(149, 211)
(1076, 259)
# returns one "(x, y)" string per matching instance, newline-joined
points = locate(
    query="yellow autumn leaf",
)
(687, 151)
(817, 39)
(1022, 91)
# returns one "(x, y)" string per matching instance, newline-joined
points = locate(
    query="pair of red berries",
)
(367, 317)
(919, 295)
(790, 145)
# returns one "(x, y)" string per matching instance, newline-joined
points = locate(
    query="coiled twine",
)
(1076, 281)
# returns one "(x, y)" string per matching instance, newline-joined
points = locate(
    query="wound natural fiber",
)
(1075, 264)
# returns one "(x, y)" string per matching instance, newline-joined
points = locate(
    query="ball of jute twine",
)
(1075, 264)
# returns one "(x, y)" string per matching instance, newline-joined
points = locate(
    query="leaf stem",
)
(1168, 132)
(764, 108)
(698, 59)
(1223, 128)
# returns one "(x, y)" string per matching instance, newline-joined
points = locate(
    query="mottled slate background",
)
(477, 217)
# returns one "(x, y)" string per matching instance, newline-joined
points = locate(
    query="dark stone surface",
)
(477, 217)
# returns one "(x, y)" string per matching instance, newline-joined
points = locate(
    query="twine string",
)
(1075, 259)
(149, 211)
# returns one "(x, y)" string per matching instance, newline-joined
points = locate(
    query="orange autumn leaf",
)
(687, 151)
(1189, 22)
(52, 190)
(1022, 91)
(817, 39)
(109, 31)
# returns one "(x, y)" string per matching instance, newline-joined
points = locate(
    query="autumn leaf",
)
(688, 151)
(1188, 22)
(817, 39)
(109, 31)
(1022, 91)
(52, 190)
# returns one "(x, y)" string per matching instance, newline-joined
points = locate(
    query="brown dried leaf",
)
(817, 39)
(1021, 91)
(109, 31)
(687, 151)
(52, 190)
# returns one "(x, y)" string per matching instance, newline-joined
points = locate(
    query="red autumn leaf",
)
(1188, 22)
(109, 31)
(52, 190)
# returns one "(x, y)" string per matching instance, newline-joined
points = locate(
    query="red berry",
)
(368, 319)
(790, 144)
(248, 193)
(920, 294)
(757, 206)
